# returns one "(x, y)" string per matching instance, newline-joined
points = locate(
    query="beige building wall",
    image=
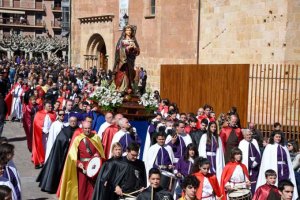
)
(250, 31)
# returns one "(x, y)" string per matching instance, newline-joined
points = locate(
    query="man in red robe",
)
(76, 133)
(109, 133)
(231, 137)
(28, 115)
(75, 184)
(41, 125)
(268, 191)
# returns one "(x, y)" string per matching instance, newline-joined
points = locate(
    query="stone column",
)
(64, 54)
(49, 54)
(30, 55)
(9, 53)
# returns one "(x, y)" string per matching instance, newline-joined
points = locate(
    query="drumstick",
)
(253, 182)
(136, 191)
(151, 193)
(125, 194)
(170, 184)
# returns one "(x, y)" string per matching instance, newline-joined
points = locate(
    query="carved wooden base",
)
(132, 110)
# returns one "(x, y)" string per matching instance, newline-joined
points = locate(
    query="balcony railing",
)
(40, 23)
(38, 8)
(18, 22)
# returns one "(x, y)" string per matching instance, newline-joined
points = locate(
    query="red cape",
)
(107, 137)
(187, 129)
(41, 92)
(200, 119)
(212, 180)
(8, 100)
(27, 124)
(75, 134)
(227, 173)
(38, 153)
(60, 100)
(225, 132)
(263, 192)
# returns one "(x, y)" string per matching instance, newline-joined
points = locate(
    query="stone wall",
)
(249, 31)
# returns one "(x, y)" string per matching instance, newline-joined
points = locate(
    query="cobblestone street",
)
(30, 190)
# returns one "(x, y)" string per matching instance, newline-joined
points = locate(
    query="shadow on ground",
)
(16, 139)
(38, 199)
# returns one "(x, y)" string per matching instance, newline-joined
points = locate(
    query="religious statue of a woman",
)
(126, 51)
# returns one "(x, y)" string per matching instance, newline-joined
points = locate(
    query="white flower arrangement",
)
(107, 96)
(149, 101)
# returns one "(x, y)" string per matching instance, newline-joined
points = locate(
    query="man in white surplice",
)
(251, 156)
(54, 130)
(107, 123)
(159, 155)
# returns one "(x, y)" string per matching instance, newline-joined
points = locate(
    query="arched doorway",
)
(96, 52)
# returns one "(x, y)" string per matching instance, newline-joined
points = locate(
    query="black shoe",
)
(39, 166)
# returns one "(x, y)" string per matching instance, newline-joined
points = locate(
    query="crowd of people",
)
(86, 154)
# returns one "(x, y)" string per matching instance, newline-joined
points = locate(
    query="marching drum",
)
(168, 181)
(241, 194)
(93, 167)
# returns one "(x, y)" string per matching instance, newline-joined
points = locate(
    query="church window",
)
(152, 7)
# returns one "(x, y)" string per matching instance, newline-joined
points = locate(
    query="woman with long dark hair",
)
(276, 156)
(210, 147)
(209, 187)
(184, 166)
(185, 163)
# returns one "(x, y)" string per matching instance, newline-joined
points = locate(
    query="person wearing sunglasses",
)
(54, 130)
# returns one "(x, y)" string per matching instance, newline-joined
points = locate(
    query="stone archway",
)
(96, 52)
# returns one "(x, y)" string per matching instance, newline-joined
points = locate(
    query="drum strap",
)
(87, 146)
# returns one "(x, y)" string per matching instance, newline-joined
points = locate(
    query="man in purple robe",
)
(160, 155)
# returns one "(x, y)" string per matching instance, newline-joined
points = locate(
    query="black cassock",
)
(158, 194)
(49, 176)
(130, 176)
(112, 173)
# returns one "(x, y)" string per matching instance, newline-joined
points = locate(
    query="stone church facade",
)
(184, 32)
